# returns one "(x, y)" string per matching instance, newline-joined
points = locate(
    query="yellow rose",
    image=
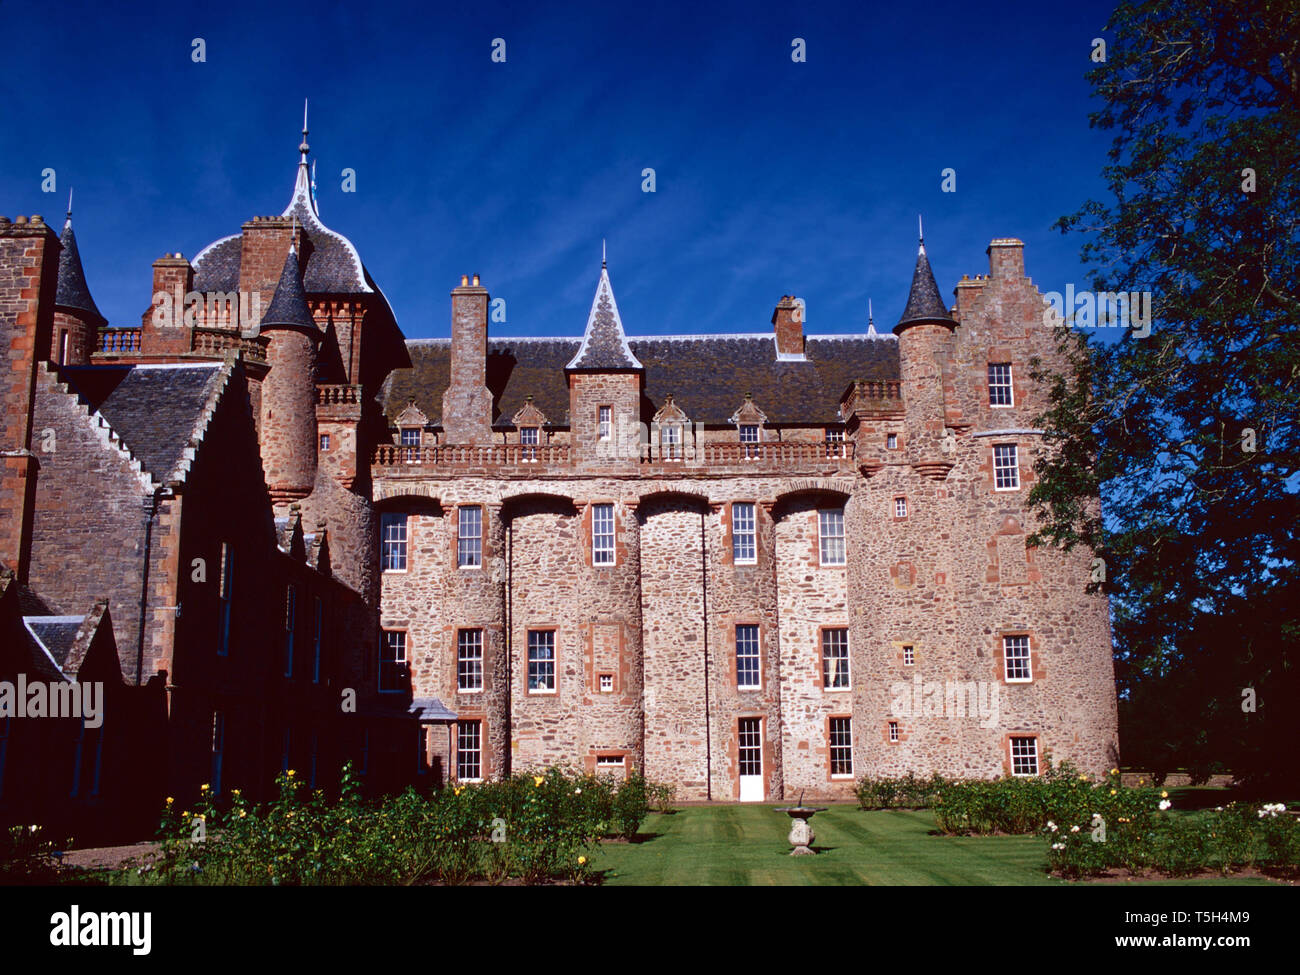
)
(291, 773)
(170, 800)
(1112, 792)
(204, 788)
(581, 860)
(538, 780)
(1164, 795)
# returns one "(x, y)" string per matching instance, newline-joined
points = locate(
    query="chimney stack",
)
(467, 403)
(788, 320)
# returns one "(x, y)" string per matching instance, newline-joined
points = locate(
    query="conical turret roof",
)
(72, 290)
(924, 304)
(289, 305)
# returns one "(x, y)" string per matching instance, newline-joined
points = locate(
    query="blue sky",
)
(773, 177)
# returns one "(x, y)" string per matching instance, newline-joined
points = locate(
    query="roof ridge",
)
(200, 429)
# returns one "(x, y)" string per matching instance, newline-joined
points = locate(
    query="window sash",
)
(750, 746)
(749, 668)
(1015, 657)
(900, 507)
(469, 751)
(1001, 392)
(290, 625)
(830, 525)
(835, 659)
(604, 422)
(469, 538)
(891, 441)
(469, 660)
(841, 746)
(1024, 756)
(893, 731)
(541, 661)
(1006, 467)
(393, 533)
(743, 532)
(602, 534)
(410, 437)
(225, 598)
(392, 660)
(909, 655)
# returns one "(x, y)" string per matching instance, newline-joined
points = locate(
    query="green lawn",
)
(732, 845)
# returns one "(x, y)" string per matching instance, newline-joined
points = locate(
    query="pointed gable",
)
(528, 415)
(412, 416)
(604, 343)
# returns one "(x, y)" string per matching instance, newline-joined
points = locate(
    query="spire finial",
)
(69, 204)
(602, 252)
(304, 148)
(920, 234)
(293, 236)
(870, 314)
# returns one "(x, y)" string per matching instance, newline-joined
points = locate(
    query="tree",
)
(1190, 434)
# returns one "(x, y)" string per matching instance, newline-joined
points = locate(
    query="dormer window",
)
(670, 438)
(749, 420)
(410, 425)
(410, 437)
(528, 421)
(529, 437)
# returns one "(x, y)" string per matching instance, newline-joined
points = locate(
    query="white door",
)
(751, 759)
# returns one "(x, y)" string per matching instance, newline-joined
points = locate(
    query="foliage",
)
(905, 792)
(27, 856)
(1191, 435)
(537, 826)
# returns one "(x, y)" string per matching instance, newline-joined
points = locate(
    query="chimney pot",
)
(464, 280)
(476, 280)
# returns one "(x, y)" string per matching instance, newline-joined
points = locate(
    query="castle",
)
(752, 565)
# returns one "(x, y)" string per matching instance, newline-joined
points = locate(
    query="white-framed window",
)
(63, 347)
(909, 655)
(749, 433)
(835, 659)
(830, 524)
(1024, 756)
(318, 641)
(393, 533)
(1015, 659)
(610, 762)
(1006, 467)
(841, 732)
(834, 442)
(324, 441)
(410, 437)
(469, 661)
(225, 598)
(605, 422)
(900, 507)
(529, 438)
(469, 537)
(748, 663)
(893, 732)
(1000, 391)
(290, 626)
(670, 441)
(541, 661)
(607, 683)
(744, 546)
(749, 741)
(392, 661)
(891, 441)
(469, 751)
(602, 534)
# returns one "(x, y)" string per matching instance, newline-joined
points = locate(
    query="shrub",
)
(631, 804)
(662, 796)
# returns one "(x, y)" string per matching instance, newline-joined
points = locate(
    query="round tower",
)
(925, 340)
(288, 408)
(76, 318)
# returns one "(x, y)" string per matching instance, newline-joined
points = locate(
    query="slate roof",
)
(924, 303)
(289, 304)
(155, 409)
(604, 343)
(56, 635)
(333, 264)
(72, 290)
(707, 375)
